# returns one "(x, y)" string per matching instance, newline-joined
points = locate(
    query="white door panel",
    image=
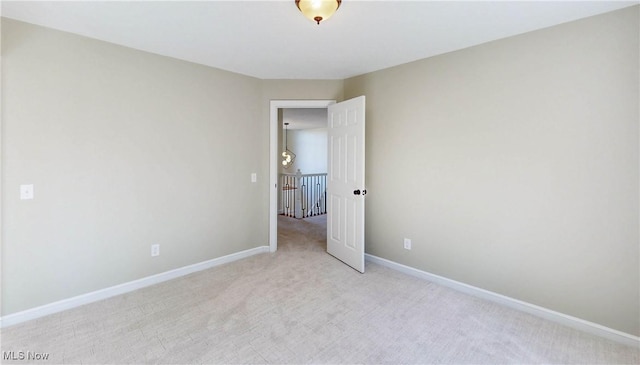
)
(345, 226)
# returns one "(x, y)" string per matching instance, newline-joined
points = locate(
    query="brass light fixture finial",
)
(318, 10)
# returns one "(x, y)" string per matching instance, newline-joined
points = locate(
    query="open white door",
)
(345, 182)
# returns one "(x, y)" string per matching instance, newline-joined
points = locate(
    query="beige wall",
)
(514, 167)
(126, 149)
(301, 90)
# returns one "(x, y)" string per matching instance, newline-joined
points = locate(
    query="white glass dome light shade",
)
(318, 10)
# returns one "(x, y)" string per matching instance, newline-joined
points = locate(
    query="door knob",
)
(356, 192)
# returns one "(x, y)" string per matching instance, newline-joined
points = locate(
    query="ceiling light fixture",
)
(318, 10)
(287, 156)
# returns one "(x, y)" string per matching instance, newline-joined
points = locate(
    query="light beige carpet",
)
(300, 305)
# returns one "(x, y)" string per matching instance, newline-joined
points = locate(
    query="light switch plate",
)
(254, 177)
(26, 192)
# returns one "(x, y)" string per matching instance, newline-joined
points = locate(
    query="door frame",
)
(273, 157)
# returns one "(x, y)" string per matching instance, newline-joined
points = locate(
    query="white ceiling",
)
(272, 40)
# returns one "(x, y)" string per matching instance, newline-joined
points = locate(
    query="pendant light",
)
(318, 10)
(287, 156)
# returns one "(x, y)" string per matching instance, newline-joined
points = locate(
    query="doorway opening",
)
(302, 175)
(296, 108)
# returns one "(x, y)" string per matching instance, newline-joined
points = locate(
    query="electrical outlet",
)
(155, 250)
(407, 244)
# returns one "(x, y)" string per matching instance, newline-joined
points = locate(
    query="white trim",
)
(273, 158)
(101, 294)
(569, 321)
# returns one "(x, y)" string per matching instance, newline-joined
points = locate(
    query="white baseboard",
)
(101, 294)
(569, 321)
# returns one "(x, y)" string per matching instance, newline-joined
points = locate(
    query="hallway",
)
(309, 234)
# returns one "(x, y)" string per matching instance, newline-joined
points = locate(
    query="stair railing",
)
(303, 195)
